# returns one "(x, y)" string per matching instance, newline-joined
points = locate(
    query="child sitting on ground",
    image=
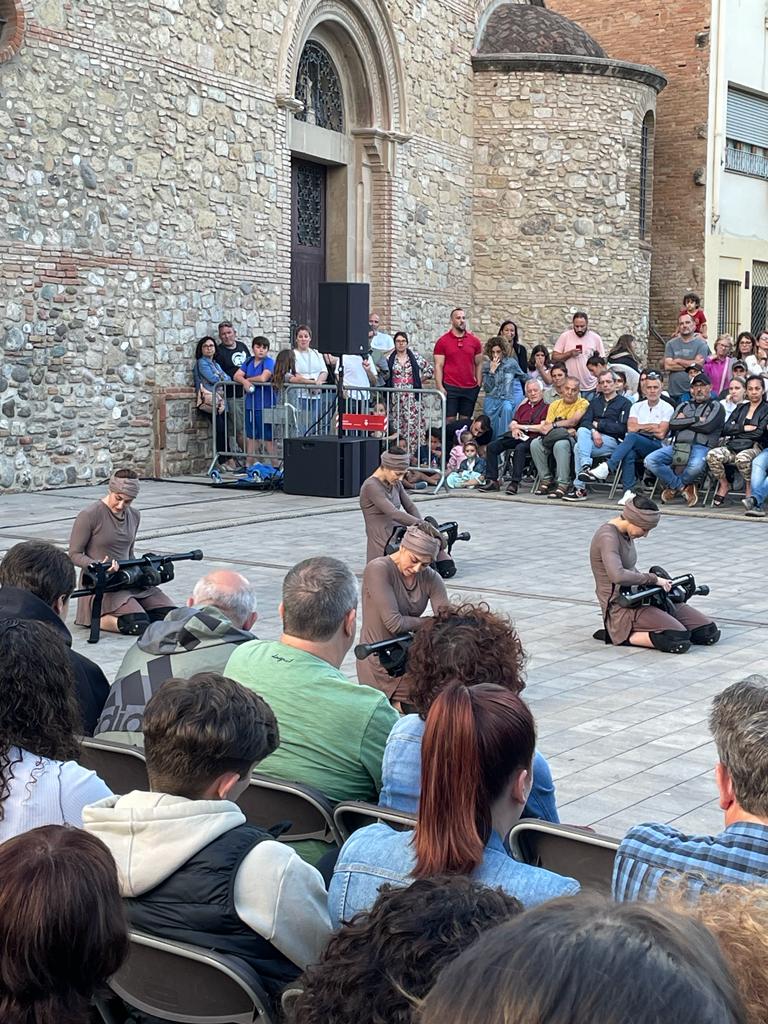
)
(456, 455)
(471, 471)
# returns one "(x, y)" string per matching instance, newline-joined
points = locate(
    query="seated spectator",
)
(197, 638)
(757, 363)
(736, 394)
(524, 426)
(40, 783)
(587, 961)
(623, 353)
(601, 430)
(623, 388)
(476, 762)
(559, 376)
(740, 371)
(471, 469)
(479, 427)
(558, 436)
(758, 481)
(382, 964)
(502, 383)
(647, 425)
(540, 365)
(653, 375)
(456, 454)
(332, 730)
(191, 869)
(36, 581)
(63, 932)
(744, 434)
(653, 856)
(453, 647)
(695, 428)
(718, 366)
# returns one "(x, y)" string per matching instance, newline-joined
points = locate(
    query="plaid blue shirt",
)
(649, 854)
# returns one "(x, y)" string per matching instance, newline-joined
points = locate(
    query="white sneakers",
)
(626, 496)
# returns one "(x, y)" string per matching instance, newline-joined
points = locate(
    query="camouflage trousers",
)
(719, 458)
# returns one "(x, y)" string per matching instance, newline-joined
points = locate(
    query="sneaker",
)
(668, 494)
(577, 494)
(600, 472)
(691, 495)
(420, 485)
(490, 485)
(749, 503)
(756, 513)
(512, 487)
(626, 496)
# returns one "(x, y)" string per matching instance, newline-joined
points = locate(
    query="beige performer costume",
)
(385, 506)
(99, 533)
(393, 604)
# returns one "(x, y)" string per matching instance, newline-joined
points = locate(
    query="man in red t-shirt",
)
(459, 367)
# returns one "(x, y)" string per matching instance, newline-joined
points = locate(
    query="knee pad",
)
(132, 625)
(671, 641)
(446, 567)
(156, 614)
(706, 635)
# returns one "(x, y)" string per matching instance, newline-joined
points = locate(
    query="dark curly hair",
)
(38, 705)
(386, 959)
(467, 644)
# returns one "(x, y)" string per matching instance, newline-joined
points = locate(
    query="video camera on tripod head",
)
(392, 654)
(445, 567)
(149, 570)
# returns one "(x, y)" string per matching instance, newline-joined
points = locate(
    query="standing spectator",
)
(692, 306)
(381, 344)
(623, 352)
(680, 352)
(652, 855)
(311, 368)
(359, 375)
(540, 365)
(36, 580)
(230, 355)
(574, 347)
(40, 783)
(256, 373)
(647, 426)
(407, 371)
(736, 394)
(458, 367)
(503, 384)
(718, 366)
(509, 332)
(695, 427)
(63, 932)
(558, 436)
(744, 433)
(524, 427)
(207, 374)
(602, 428)
(558, 376)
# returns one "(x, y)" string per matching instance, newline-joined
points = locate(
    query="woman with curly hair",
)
(503, 381)
(476, 762)
(382, 964)
(469, 644)
(40, 783)
(63, 930)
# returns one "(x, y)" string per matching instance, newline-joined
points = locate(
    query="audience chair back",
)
(575, 852)
(350, 815)
(308, 812)
(178, 982)
(121, 766)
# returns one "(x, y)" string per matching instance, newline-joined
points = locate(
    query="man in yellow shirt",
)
(558, 438)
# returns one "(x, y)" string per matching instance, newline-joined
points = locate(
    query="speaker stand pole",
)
(340, 397)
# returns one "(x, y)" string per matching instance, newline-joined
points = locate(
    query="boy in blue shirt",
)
(255, 374)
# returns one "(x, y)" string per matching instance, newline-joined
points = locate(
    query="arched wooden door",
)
(308, 233)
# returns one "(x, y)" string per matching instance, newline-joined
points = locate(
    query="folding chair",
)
(178, 982)
(350, 815)
(567, 850)
(120, 765)
(268, 801)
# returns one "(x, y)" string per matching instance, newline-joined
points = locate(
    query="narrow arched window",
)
(646, 166)
(319, 89)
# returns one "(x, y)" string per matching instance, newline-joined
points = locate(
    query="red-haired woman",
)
(475, 778)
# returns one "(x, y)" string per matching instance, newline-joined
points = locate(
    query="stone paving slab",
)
(625, 730)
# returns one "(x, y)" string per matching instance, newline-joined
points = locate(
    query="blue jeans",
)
(759, 479)
(660, 464)
(586, 449)
(499, 411)
(633, 447)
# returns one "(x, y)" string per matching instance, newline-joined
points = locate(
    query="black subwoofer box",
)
(328, 466)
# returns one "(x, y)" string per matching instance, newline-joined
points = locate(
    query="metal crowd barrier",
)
(252, 427)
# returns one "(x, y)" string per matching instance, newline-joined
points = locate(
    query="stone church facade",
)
(165, 166)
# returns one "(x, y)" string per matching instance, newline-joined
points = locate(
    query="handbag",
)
(681, 454)
(204, 401)
(555, 434)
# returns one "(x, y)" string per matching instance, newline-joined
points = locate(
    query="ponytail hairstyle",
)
(475, 739)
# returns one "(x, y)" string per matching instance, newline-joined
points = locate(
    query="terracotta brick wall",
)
(675, 39)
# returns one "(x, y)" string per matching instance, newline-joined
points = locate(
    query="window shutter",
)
(747, 118)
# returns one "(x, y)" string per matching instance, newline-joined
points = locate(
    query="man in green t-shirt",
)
(332, 730)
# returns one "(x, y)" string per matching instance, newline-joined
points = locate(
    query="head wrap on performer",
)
(125, 485)
(389, 460)
(645, 518)
(421, 543)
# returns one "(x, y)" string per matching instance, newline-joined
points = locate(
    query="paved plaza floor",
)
(625, 730)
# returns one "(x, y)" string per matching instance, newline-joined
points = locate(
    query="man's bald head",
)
(230, 592)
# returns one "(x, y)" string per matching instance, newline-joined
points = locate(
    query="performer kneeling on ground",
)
(396, 590)
(106, 532)
(613, 557)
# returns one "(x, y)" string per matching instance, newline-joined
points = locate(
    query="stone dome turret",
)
(530, 28)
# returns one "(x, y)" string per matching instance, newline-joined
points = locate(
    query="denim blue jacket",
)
(501, 384)
(378, 855)
(401, 774)
(208, 371)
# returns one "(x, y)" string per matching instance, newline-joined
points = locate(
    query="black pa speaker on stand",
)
(342, 321)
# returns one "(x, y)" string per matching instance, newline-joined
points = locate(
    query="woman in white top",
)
(757, 363)
(40, 782)
(736, 395)
(311, 368)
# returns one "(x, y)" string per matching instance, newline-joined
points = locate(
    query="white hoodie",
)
(278, 895)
